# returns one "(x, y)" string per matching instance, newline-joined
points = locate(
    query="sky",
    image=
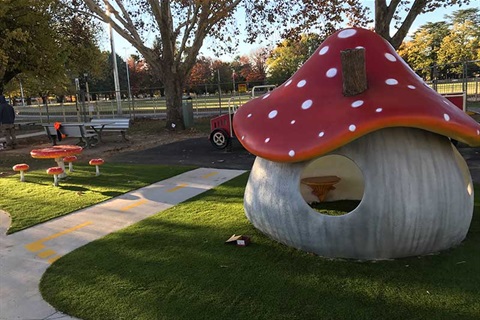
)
(124, 49)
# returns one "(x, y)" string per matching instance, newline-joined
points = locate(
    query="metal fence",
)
(454, 77)
(204, 99)
(102, 106)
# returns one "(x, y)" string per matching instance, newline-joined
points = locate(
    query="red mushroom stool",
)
(55, 171)
(22, 167)
(70, 160)
(97, 163)
(321, 185)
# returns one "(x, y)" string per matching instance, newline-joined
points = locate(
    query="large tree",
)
(181, 27)
(402, 13)
(393, 18)
(439, 49)
(27, 41)
(289, 55)
(45, 44)
(421, 53)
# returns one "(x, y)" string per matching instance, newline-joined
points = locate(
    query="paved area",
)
(27, 254)
(26, 135)
(196, 152)
(472, 157)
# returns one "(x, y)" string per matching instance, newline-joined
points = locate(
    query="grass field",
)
(175, 265)
(36, 200)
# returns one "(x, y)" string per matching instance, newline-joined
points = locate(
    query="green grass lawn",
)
(175, 265)
(36, 200)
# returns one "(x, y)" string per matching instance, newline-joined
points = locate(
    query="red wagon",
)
(221, 127)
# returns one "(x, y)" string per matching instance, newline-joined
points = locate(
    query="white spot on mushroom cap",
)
(249, 115)
(321, 134)
(291, 153)
(323, 50)
(347, 33)
(273, 114)
(301, 83)
(267, 140)
(390, 57)
(446, 117)
(379, 110)
(411, 87)
(332, 72)
(307, 104)
(478, 132)
(357, 103)
(391, 82)
(288, 83)
(292, 122)
(352, 127)
(266, 96)
(243, 137)
(359, 47)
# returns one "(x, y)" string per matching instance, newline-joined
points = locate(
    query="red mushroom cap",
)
(21, 167)
(308, 115)
(55, 152)
(96, 162)
(70, 159)
(54, 170)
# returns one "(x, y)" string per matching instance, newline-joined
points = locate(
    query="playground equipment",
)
(459, 99)
(221, 127)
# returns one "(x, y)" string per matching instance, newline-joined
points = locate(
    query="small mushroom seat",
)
(70, 160)
(97, 163)
(55, 171)
(21, 167)
(418, 193)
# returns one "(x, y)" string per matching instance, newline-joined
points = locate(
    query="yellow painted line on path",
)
(135, 204)
(209, 175)
(180, 186)
(38, 245)
(46, 253)
(52, 260)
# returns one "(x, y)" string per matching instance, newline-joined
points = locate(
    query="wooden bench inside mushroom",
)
(321, 185)
(356, 98)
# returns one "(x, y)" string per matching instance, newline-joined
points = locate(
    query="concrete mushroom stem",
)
(22, 167)
(97, 163)
(55, 171)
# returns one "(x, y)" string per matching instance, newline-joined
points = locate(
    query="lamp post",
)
(115, 67)
(128, 76)
(21, 92)
(233, 80)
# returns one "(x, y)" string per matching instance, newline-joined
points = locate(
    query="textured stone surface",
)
(418, 199)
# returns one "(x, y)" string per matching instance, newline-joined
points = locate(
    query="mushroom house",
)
(356, 124)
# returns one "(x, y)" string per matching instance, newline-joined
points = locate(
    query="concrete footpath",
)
(25, 255)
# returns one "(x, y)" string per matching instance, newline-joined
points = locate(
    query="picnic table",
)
(77, 130)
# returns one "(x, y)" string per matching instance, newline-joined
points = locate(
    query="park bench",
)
(119, 124)
(19, 125)
(72, 130)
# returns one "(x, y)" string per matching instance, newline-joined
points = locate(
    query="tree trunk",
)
(173, 96)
